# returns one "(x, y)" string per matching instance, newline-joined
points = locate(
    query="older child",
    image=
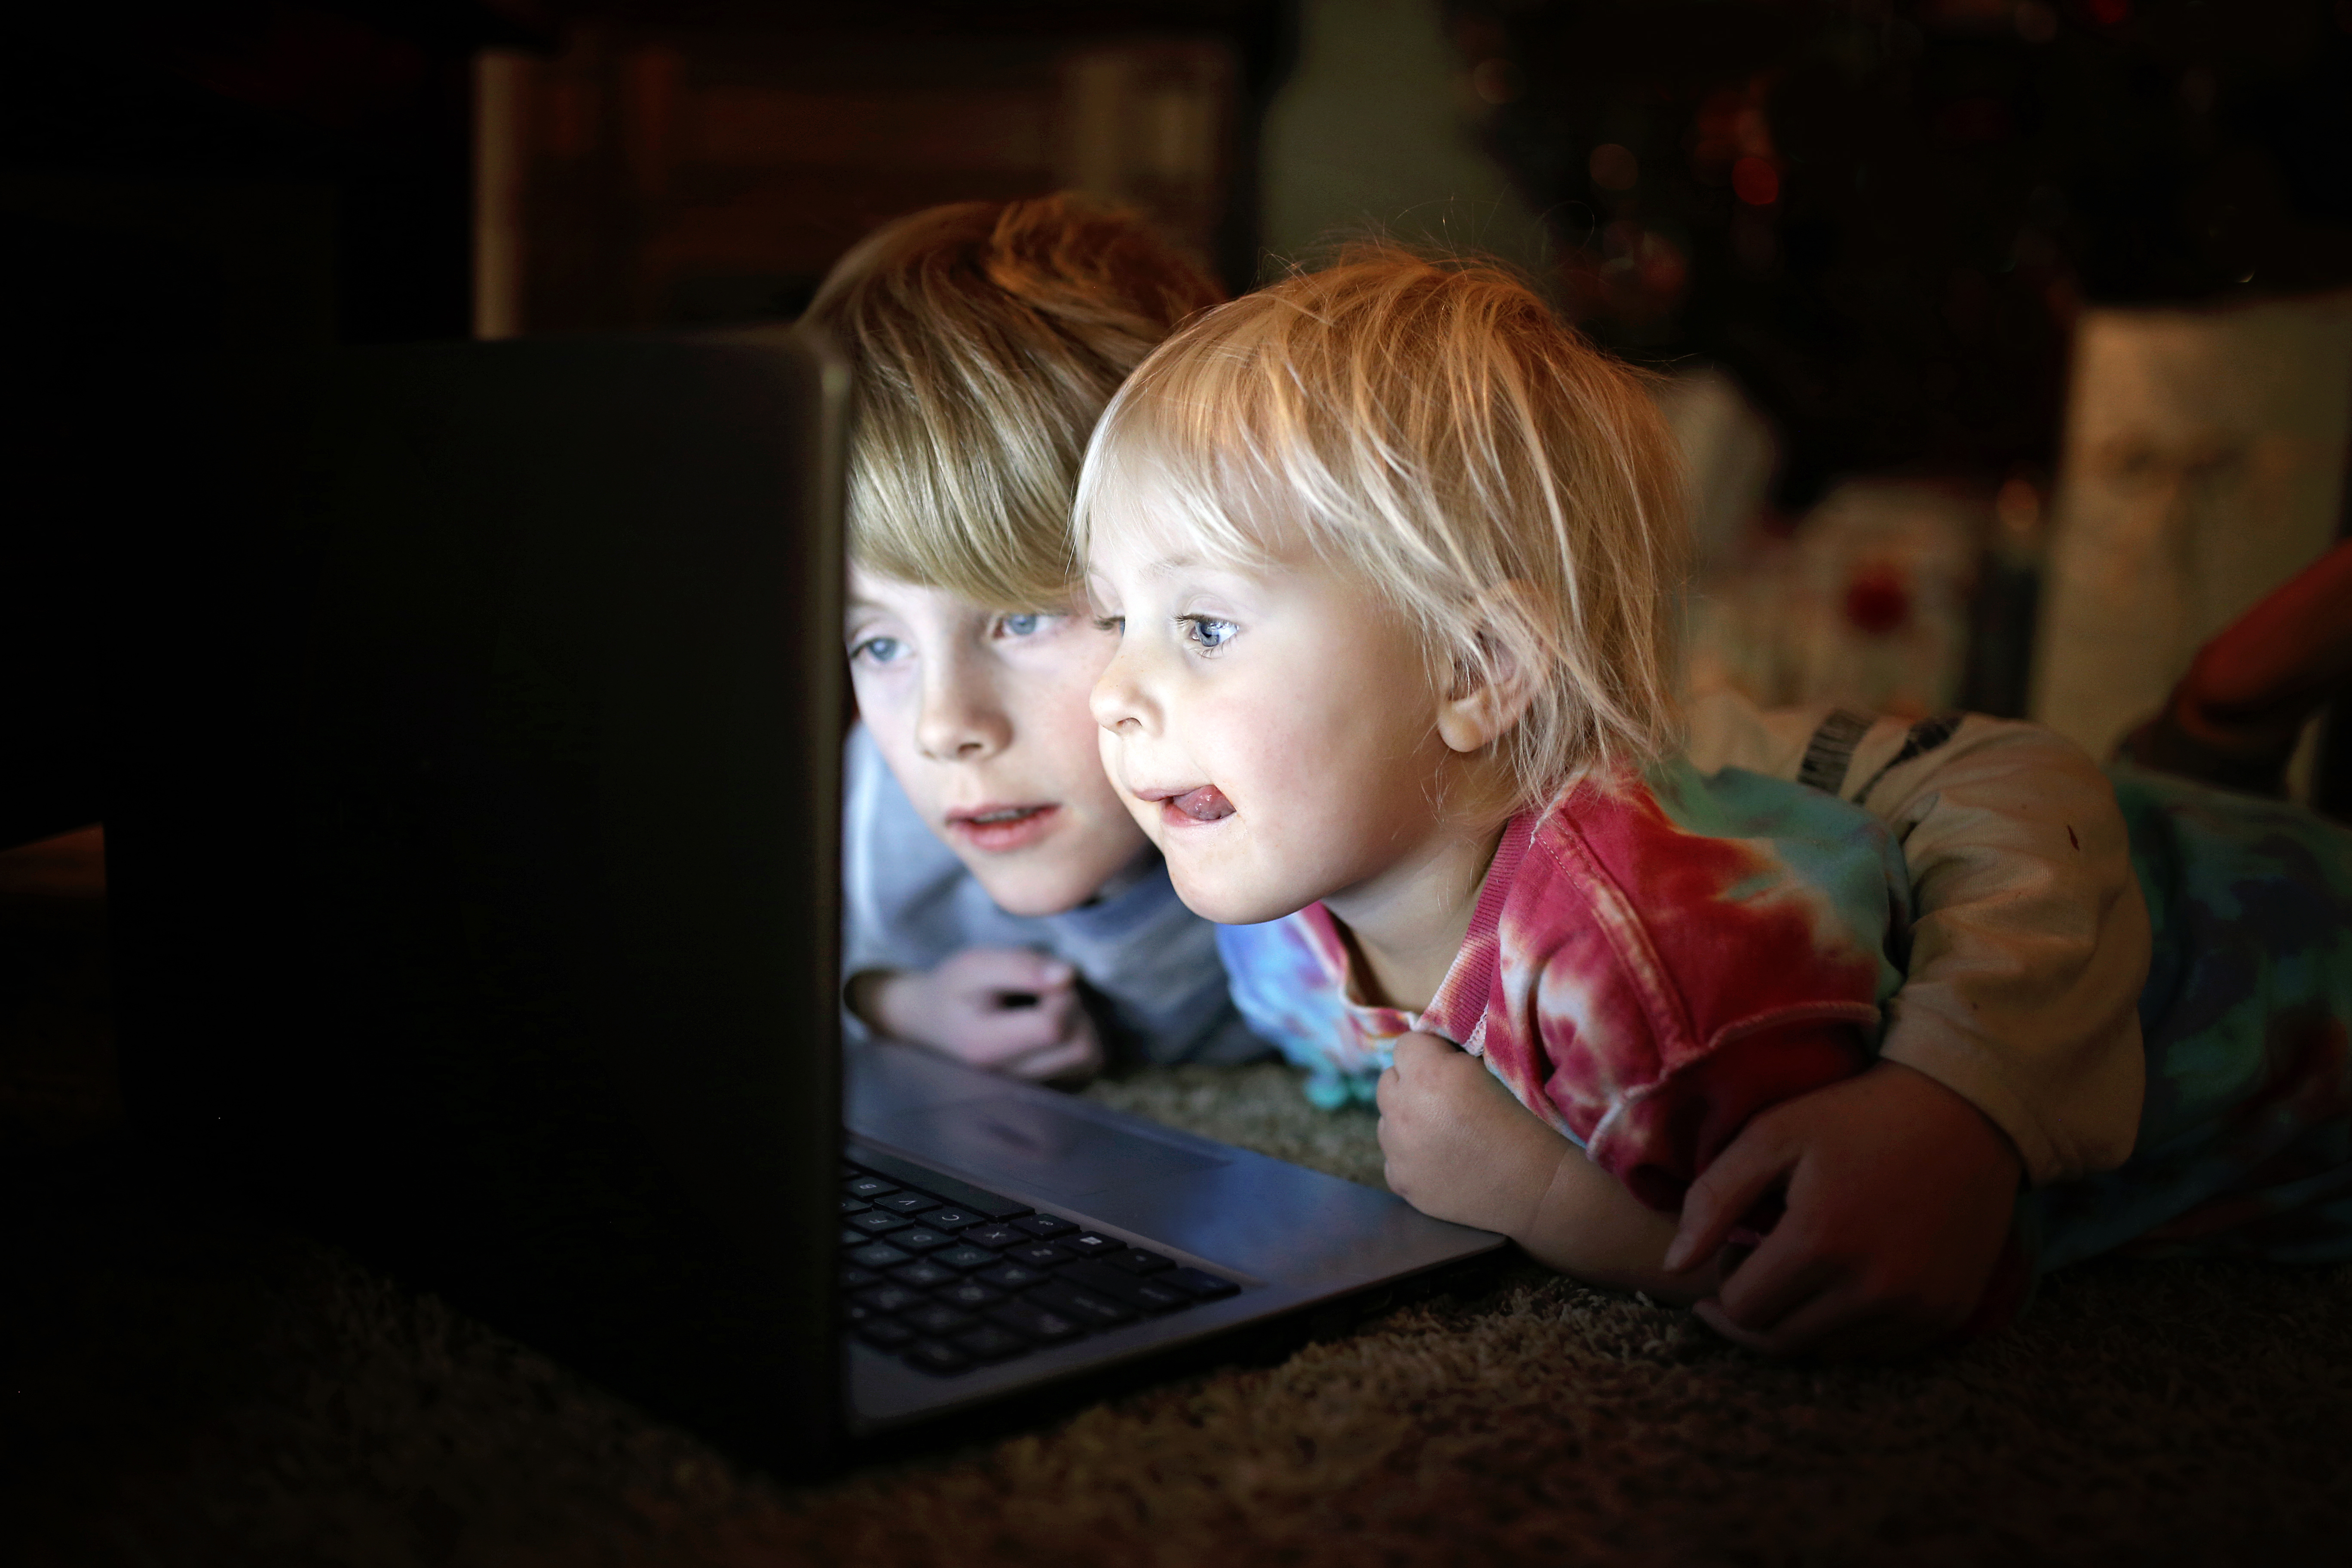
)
(988, 868)
(1390, 554)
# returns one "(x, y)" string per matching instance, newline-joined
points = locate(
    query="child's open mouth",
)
(1001, 827)
(1206, 804)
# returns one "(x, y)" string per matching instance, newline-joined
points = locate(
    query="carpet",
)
(183, 1383)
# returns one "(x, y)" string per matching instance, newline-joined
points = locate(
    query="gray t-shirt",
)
(909, 903)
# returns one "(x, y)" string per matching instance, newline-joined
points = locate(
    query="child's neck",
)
(1406, 925)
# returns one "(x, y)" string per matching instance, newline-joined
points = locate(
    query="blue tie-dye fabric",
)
(2246, 1142)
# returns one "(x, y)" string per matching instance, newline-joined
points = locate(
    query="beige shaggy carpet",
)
(182, 1383)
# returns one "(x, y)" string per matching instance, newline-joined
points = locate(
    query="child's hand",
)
(1900, 1195)
(1458, 1146)
(1008, 1010)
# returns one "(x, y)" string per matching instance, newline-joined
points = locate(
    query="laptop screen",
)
(473, 852)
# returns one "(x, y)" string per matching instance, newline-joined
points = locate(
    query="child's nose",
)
(959, 724)
(1118, 700)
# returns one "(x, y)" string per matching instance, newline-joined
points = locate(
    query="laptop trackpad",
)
(1033, 1145)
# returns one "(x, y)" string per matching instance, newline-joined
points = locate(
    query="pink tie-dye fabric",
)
(1641, 983)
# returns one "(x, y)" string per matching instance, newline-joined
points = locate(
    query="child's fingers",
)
(1844, 1322)
(1751, 1165)
(1010, 971)
(1056, 1060)
(1784, 1340)
(1783, 1276)
(994, 1038)
(1414, 1051)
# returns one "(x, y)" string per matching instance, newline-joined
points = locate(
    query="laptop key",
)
(890, 1298)
(935, 1357)
(858, 1279)
(947, 1189)
(1040, 1255)
(989, 1342)
(1156, 1298)
(1032, 1322)
(885, 1333)
(852, 1237)
(1143, 1295)
(907, 1203)
(877, 1222)
(952, 1218)
(937, 1318)
(1045, 1226)
(969, 1294)
(1201, 1286)
(1099, 1312)
(923, 1276)
(867, 1187)
(1086, 1244)
(922, 1238)
(963, 1257)
(1135, 1260)
(879, 1254)
(854, 1206)
(998, 1235)
(1013, 1277)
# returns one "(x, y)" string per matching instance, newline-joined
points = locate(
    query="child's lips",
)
(997, 829)
(1205, 804)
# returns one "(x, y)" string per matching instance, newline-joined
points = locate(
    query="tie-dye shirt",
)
(1652, 959)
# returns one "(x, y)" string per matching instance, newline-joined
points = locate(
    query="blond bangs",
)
(1436, 431)
(985, 339)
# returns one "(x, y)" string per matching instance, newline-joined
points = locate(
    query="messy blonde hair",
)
(1434, 429)
(985, 339)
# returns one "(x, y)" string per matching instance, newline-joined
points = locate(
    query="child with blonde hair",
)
(1391, 557)
(1000, 904)
(1002, 908)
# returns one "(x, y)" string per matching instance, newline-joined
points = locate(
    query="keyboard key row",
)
(946, 1275)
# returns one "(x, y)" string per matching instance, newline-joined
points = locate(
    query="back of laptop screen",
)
(473, 846)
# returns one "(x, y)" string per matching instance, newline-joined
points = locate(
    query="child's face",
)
(1273, 729)
(983, 716)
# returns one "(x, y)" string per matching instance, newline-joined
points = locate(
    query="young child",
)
(1390, 554)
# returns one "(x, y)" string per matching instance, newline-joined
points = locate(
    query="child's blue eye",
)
(1207, 632)
(1026, 624)
(877, 650)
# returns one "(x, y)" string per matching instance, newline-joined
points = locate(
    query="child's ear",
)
(1490, 694)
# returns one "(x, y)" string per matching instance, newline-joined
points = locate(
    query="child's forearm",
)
(1589, 1226)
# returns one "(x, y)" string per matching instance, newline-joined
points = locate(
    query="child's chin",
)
(1231, 906)
(1032, 895)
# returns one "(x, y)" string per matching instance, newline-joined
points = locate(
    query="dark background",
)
(1881, 214)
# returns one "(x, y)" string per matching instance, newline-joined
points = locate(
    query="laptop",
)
(474, 898)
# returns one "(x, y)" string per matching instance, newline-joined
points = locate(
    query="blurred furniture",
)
(661, 172)
(2203, 464)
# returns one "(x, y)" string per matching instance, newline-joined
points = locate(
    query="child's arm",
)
(2013, 1048)
(1459, 1147)
(2030, 942)
(1898, 1195)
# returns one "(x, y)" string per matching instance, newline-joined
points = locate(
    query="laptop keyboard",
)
(947, 1277)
